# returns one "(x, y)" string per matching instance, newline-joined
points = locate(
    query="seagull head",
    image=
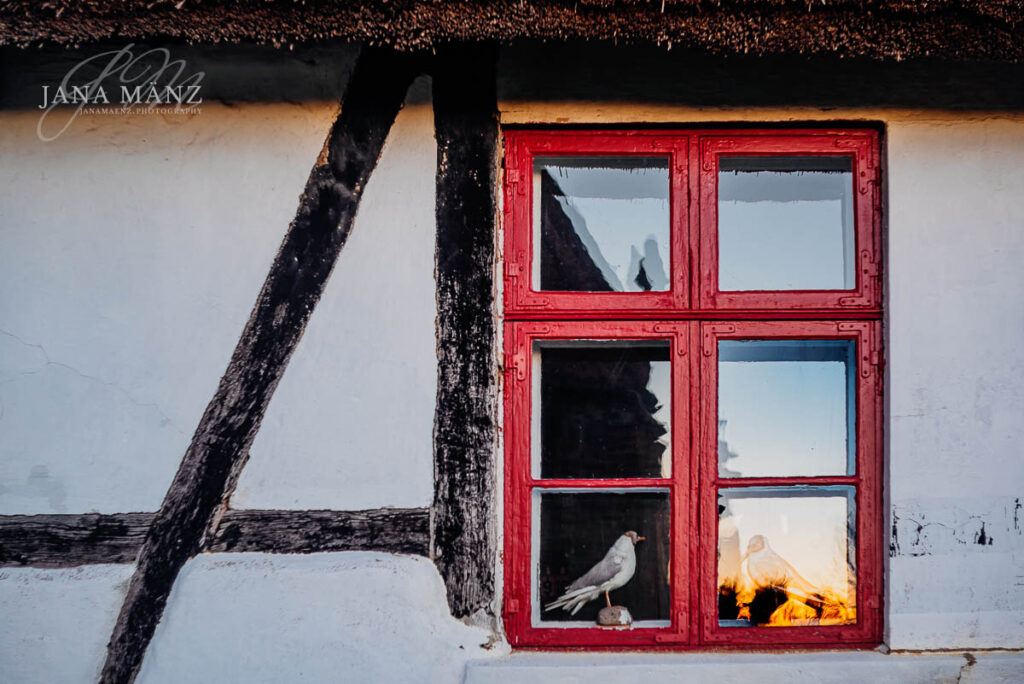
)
(756, 543)
(634, 537)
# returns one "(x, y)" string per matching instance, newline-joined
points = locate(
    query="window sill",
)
(741, 668)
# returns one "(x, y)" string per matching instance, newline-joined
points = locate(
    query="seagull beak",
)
(640, 539)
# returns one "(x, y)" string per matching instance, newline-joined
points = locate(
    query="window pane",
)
(786, 408)
(786, 556)
(785, 223)
(604, 409)
(576, 532)
(601, 224)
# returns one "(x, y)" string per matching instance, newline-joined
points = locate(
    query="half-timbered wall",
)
(132, 250)
(350, 425)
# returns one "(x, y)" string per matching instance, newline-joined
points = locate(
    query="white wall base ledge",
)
(743, 668)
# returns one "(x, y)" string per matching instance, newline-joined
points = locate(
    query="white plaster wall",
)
(131, 252)
(54, 624)
(956, 383)
(344, 617)
(350, 426)
(132, 249)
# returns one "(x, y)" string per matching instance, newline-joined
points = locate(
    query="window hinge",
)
(871, 268)
(512, 270)
(876, 359)
(514, 367)
(514, 177)
(511, 606)
(508, 364)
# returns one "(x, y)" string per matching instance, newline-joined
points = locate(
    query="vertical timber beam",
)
(466, 124)
(297, 277)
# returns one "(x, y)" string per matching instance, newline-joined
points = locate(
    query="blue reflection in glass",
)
(785, 223)
(786, 408)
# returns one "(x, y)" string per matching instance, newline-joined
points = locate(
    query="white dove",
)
(614, 570)
(769, 570)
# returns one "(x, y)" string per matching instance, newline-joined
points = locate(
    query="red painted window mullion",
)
(682, 511)
(610, 483)
(822, 481)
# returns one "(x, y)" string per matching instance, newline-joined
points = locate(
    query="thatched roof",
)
(894, 29)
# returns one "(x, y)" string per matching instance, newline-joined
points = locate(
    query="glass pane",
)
(786, 556)
(604, 409)
(601, 224)
(786, 408)
(785, 223)
(582, 537)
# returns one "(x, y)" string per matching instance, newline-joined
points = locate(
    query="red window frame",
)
(520, 482)
(866, 480)
(860, 147)
(692, 316)
(522, 147)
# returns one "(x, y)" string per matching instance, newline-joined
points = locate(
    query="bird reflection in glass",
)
(769, 570)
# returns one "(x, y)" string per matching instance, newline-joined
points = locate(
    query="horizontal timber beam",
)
(62, 541)
(394, 530)
(66, 541)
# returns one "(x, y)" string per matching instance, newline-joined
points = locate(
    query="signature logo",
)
(119, 82)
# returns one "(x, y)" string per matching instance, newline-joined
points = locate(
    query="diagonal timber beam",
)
(466, 125)
(372, 99)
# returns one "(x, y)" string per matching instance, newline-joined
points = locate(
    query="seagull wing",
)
(588, 587)
(603, 571)
(795, 581)
(768, 569)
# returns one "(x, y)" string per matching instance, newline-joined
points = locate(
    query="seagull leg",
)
(607, 600)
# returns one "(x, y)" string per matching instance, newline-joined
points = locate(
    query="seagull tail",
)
(572, 600)
(580, 601)
(558, 603)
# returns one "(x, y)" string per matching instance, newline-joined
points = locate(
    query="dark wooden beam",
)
(393, 530)
(65, 541)
(466, 125)
(60, 541)
(321, 226)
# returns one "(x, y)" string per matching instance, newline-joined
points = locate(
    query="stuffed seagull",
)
(614, 570)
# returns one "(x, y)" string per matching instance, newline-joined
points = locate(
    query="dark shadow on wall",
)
(599, 71)
(595, 71)
(235, 73)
